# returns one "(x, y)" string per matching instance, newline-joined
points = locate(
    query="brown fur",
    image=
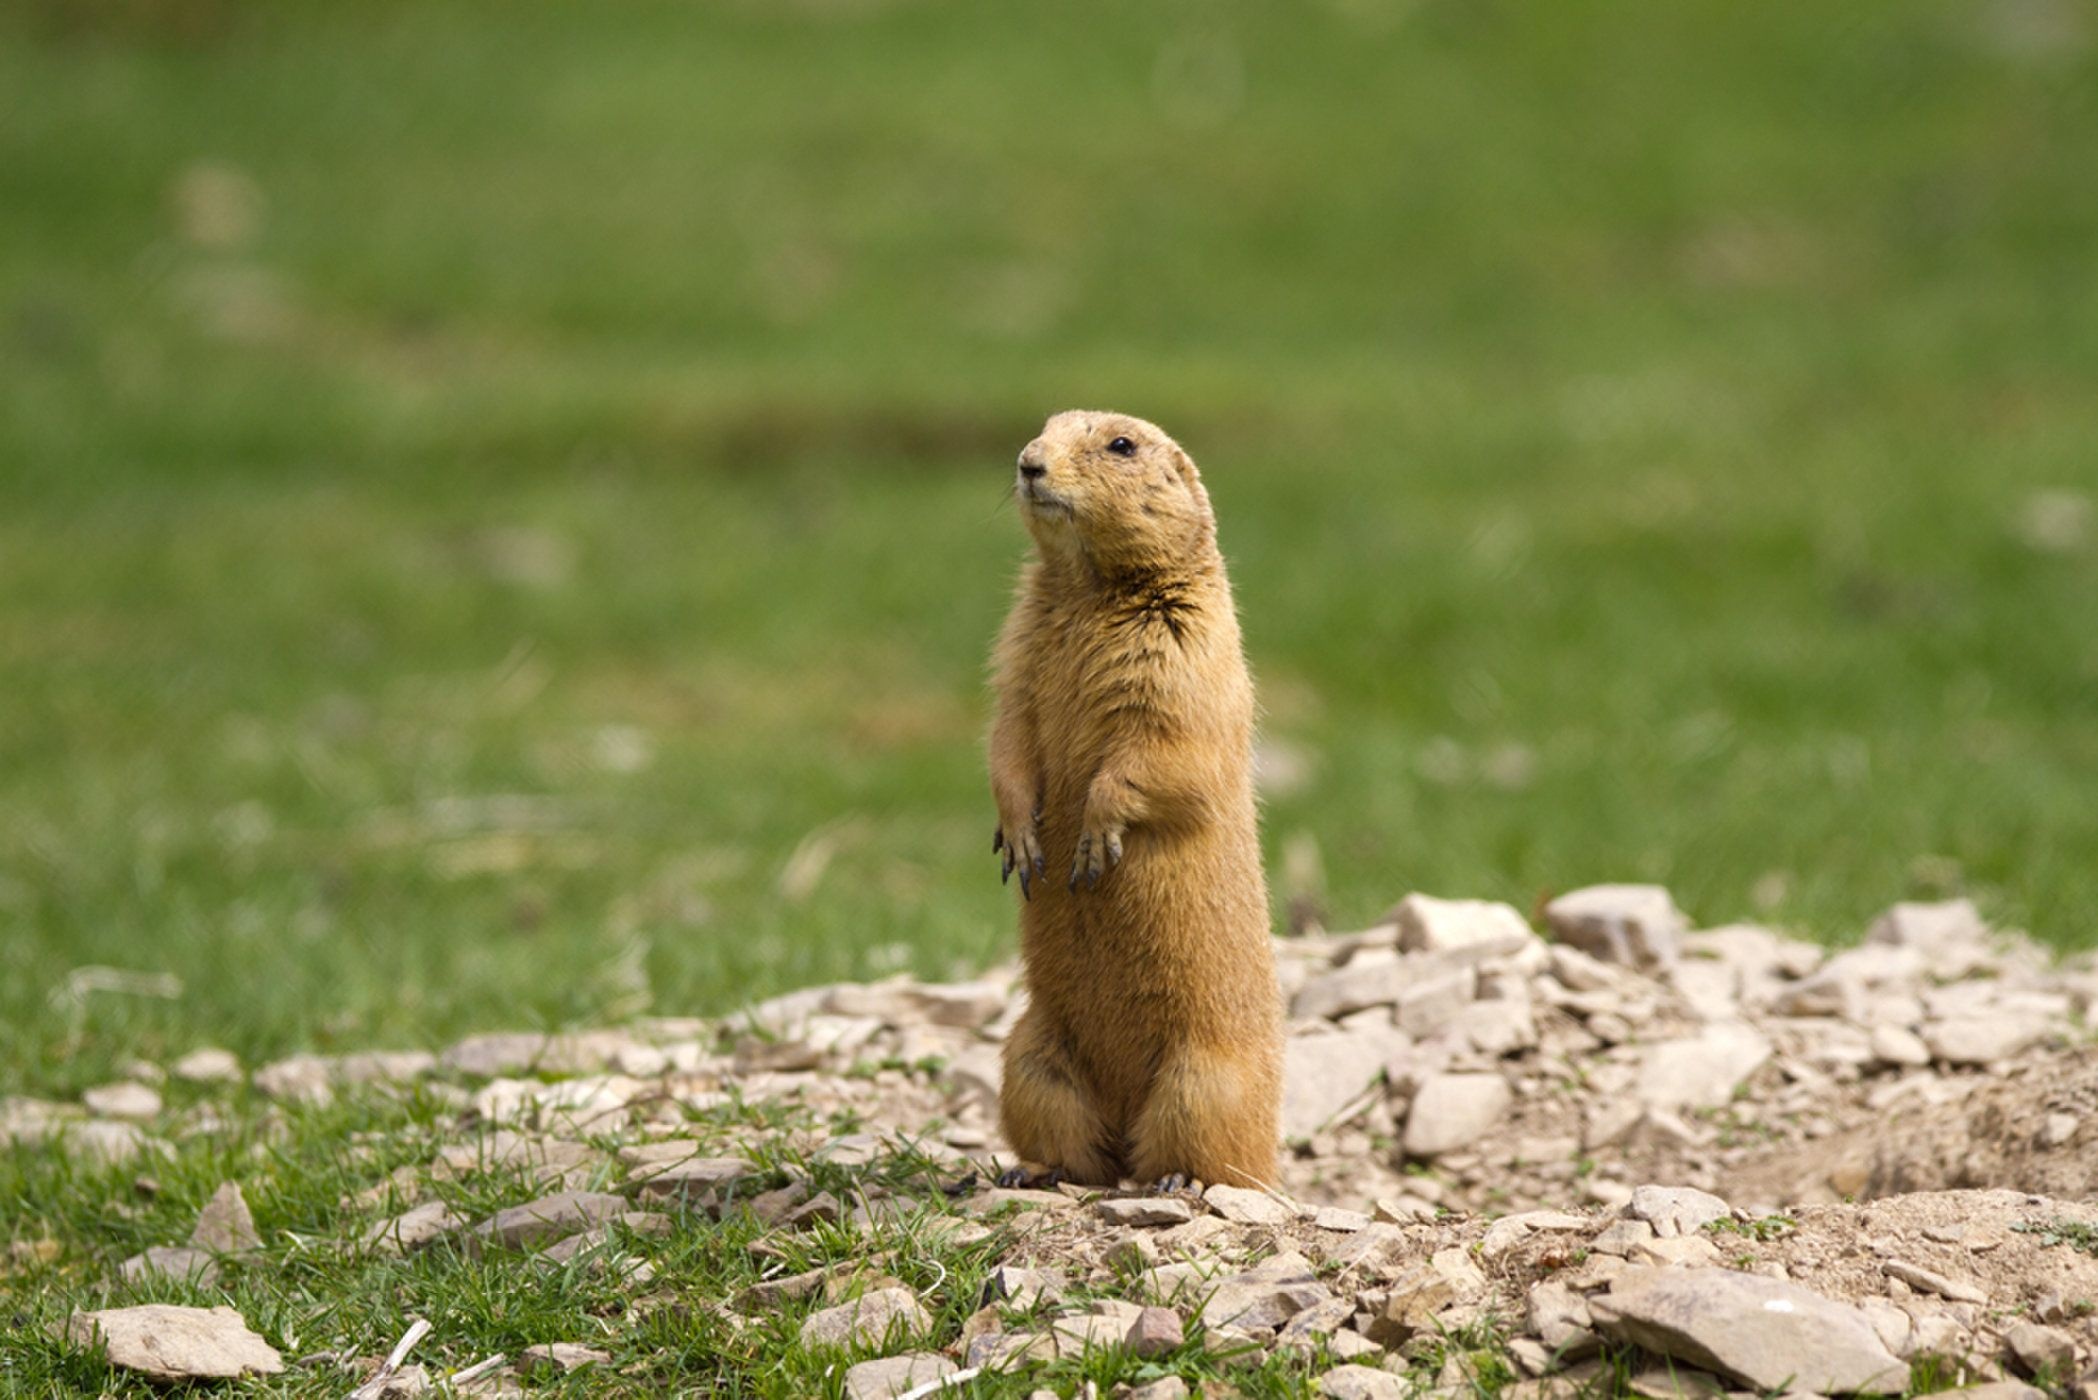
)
(1121, 763)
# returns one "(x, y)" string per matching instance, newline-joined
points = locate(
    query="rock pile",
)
(1555, 1151)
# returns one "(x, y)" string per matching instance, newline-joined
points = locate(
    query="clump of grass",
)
(2077, 1234)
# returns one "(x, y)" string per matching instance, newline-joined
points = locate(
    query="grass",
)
(503, 504)
(311, 1290)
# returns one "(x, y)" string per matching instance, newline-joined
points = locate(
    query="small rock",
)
(1403, 1210)
(1246, 1206)
(1430, 925)
(2058, 1128)
(302, 1079)
(225, 1225)
(867, 1320)
(695, 1179)
(548, 1218)
(2042, 1348)
(410, 1231)
(1353, 1382)
(178, 1262)
(126, 1099)
(889, 1376)
(1454, 1110)
(1702, 1071)
(208, 1065)
(1164, 1388)
(1265, 1296)
(1322, 1074)
(561, 1357)
(1630, 925)
(1982, 1040)
(1924, 1280)
(1154, 1332)
(1897, 1045)
(1769, 1334)
(1559, 1316)
(1676, 1210)
(1340, 1219)
(1023, 1288)
(1144, 1210)
(167, 1343)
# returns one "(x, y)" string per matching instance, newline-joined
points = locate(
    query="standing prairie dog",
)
(1121, 763)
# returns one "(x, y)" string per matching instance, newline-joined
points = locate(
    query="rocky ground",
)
(1624, 1157)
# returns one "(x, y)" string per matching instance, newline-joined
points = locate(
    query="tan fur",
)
(1152, 1042)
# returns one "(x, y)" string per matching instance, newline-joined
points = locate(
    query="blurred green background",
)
(502, 504)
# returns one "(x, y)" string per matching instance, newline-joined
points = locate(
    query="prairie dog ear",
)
(1185, 465)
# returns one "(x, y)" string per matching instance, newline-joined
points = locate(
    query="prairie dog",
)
(1121, 765)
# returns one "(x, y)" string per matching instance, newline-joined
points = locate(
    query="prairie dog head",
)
(1113, 488)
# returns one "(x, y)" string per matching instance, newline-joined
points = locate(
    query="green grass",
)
(450, 600)
(310, 1289)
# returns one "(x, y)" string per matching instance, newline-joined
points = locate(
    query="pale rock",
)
(226, 1226)
(383, 1067)
(126, 1099)
(1684, 1251)
(302, 1079)
(2057, 1129)
(2008, 1390)
(1498, 1026)
(1559, 1316)
(414, 1229)
(1629, 925)
(1144, 1210)
(1432, 1000)
(1339, 1219)
(886, 1377)
(1356, 1382)
(1245, 1206)
(1713, 989)
(2042, 1348)
(561, 1358)
(1164, 1388)
(1410, 1307)
(867, 1320)
(208, 1065)
(182, 1263)
(1430, 925)
(106, 1142)
(1676, 1210)
(1950, 935)
(1153, 1332)
(1324, 1073)
(1307, 1327)
(1404, 1210)
(700, 1180)
(166, 1343)
(1670, 1382)
(1375, 1250)
(1510, 1230)
(1768, 1334)
(1929, 1281)
(1703, 1071)
(1622, 1236)
(1451, 1111)
(1982, 1039)
(1264, 1297)
(1023, 1288)
(1133, 1253)
(1898, 1045)
(548, 1218)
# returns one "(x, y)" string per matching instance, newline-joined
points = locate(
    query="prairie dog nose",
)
(1032, 468)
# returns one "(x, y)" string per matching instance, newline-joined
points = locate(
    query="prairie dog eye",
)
(1122, 447)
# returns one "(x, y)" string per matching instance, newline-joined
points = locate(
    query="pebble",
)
(167, 1343)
